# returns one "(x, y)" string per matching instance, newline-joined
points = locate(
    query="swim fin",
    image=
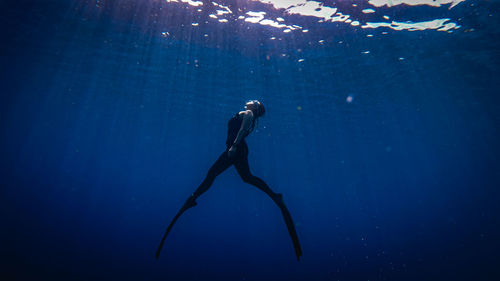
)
(278, 200)
(289, 224)
(190, 202)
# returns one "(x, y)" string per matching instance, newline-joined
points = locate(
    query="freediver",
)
(236, 153)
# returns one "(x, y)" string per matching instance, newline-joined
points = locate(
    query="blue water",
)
(383, 140)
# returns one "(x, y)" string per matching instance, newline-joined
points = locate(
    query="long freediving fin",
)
(290, 225)
(189, 204)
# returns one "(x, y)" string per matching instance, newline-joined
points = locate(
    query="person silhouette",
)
(236, 153)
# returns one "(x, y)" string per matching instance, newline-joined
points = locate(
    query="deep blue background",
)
(107, 126)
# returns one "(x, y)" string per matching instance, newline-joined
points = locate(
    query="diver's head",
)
(256, 107)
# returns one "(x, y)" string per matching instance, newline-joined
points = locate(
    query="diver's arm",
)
(245, 126)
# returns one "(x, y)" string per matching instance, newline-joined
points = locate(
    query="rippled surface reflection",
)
(355, 15)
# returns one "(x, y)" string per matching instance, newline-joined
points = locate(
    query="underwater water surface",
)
(381, 132)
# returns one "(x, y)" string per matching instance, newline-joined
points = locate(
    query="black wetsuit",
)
(240, 162)
(233, 127)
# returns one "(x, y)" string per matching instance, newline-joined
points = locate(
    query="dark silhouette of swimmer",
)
(236, 153)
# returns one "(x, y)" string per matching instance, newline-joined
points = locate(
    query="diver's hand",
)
(231, 151)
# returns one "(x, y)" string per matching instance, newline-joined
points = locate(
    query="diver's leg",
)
(241, 165)
(243, 169)
(222, 163)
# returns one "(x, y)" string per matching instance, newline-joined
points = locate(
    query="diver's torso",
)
(233, 127)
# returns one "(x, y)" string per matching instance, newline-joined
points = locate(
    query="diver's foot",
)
(278, 197)
(190, 202)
